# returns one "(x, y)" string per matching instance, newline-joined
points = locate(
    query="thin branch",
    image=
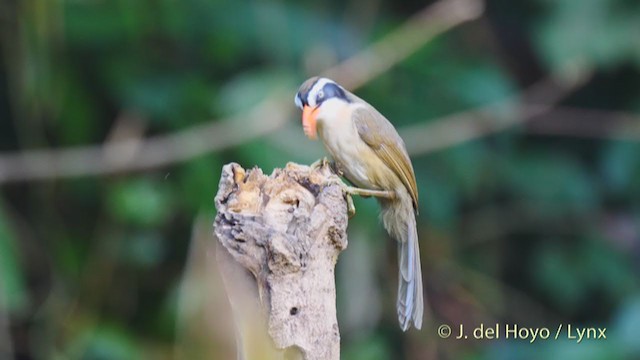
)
(153, 152)
(217, 135)
(458, 128)
(586, 123)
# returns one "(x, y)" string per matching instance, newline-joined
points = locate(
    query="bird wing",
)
(377, 132)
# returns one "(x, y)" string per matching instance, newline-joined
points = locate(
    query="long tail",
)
(399, 219)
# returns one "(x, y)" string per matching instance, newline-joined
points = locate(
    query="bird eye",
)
(320, 94)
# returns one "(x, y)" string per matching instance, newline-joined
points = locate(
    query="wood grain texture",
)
(286, 230)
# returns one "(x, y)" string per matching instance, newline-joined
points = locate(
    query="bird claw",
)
(324, 162)
(351, 209)
(346, 192)
(336, 168)
(320, 163)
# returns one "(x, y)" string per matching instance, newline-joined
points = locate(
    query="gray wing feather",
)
(377, 132)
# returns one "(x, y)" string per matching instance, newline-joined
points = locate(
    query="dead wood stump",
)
(280, 238)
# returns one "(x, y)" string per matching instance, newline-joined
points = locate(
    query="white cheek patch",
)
(333, 111)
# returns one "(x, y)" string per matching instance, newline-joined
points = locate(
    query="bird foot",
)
(351, 209)
(348, 191)
(384, 194)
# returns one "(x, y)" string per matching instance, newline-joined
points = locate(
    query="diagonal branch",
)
(404, 41)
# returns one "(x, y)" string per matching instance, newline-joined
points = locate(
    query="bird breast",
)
(356, 159)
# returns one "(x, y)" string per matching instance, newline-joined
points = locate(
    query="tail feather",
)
(406, 257)
(399, 220)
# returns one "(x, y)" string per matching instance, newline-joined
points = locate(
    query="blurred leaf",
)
(199, 182)
(569, 274)
(93, 24)
(452, 81)
(605, 32)
(105, 343)
(557, 274)
(77, 108)
(482, 84)
(262, 154)
(470, 165)
(367, 214)
(370, 348)
(12, 287)
(606, 269)
(160, 95)
(142, 202)
(626, 327)
(619, 164)
(562, 348)
(551, 184)
(586, 350)
(439, 201)
(69, 257)
(144, 249)
(248, 89)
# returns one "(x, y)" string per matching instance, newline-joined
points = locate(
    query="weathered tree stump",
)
(281, 236)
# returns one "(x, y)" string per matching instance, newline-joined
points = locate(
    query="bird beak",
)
(309, 121)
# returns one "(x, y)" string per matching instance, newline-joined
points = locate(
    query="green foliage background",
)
(529, 226)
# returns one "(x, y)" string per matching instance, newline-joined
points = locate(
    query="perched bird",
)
(369, 152)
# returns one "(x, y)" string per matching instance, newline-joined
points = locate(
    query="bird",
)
(370, 154)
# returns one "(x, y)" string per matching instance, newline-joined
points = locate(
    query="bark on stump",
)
(279, 240)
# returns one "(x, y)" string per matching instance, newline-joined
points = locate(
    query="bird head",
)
(316, 97)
